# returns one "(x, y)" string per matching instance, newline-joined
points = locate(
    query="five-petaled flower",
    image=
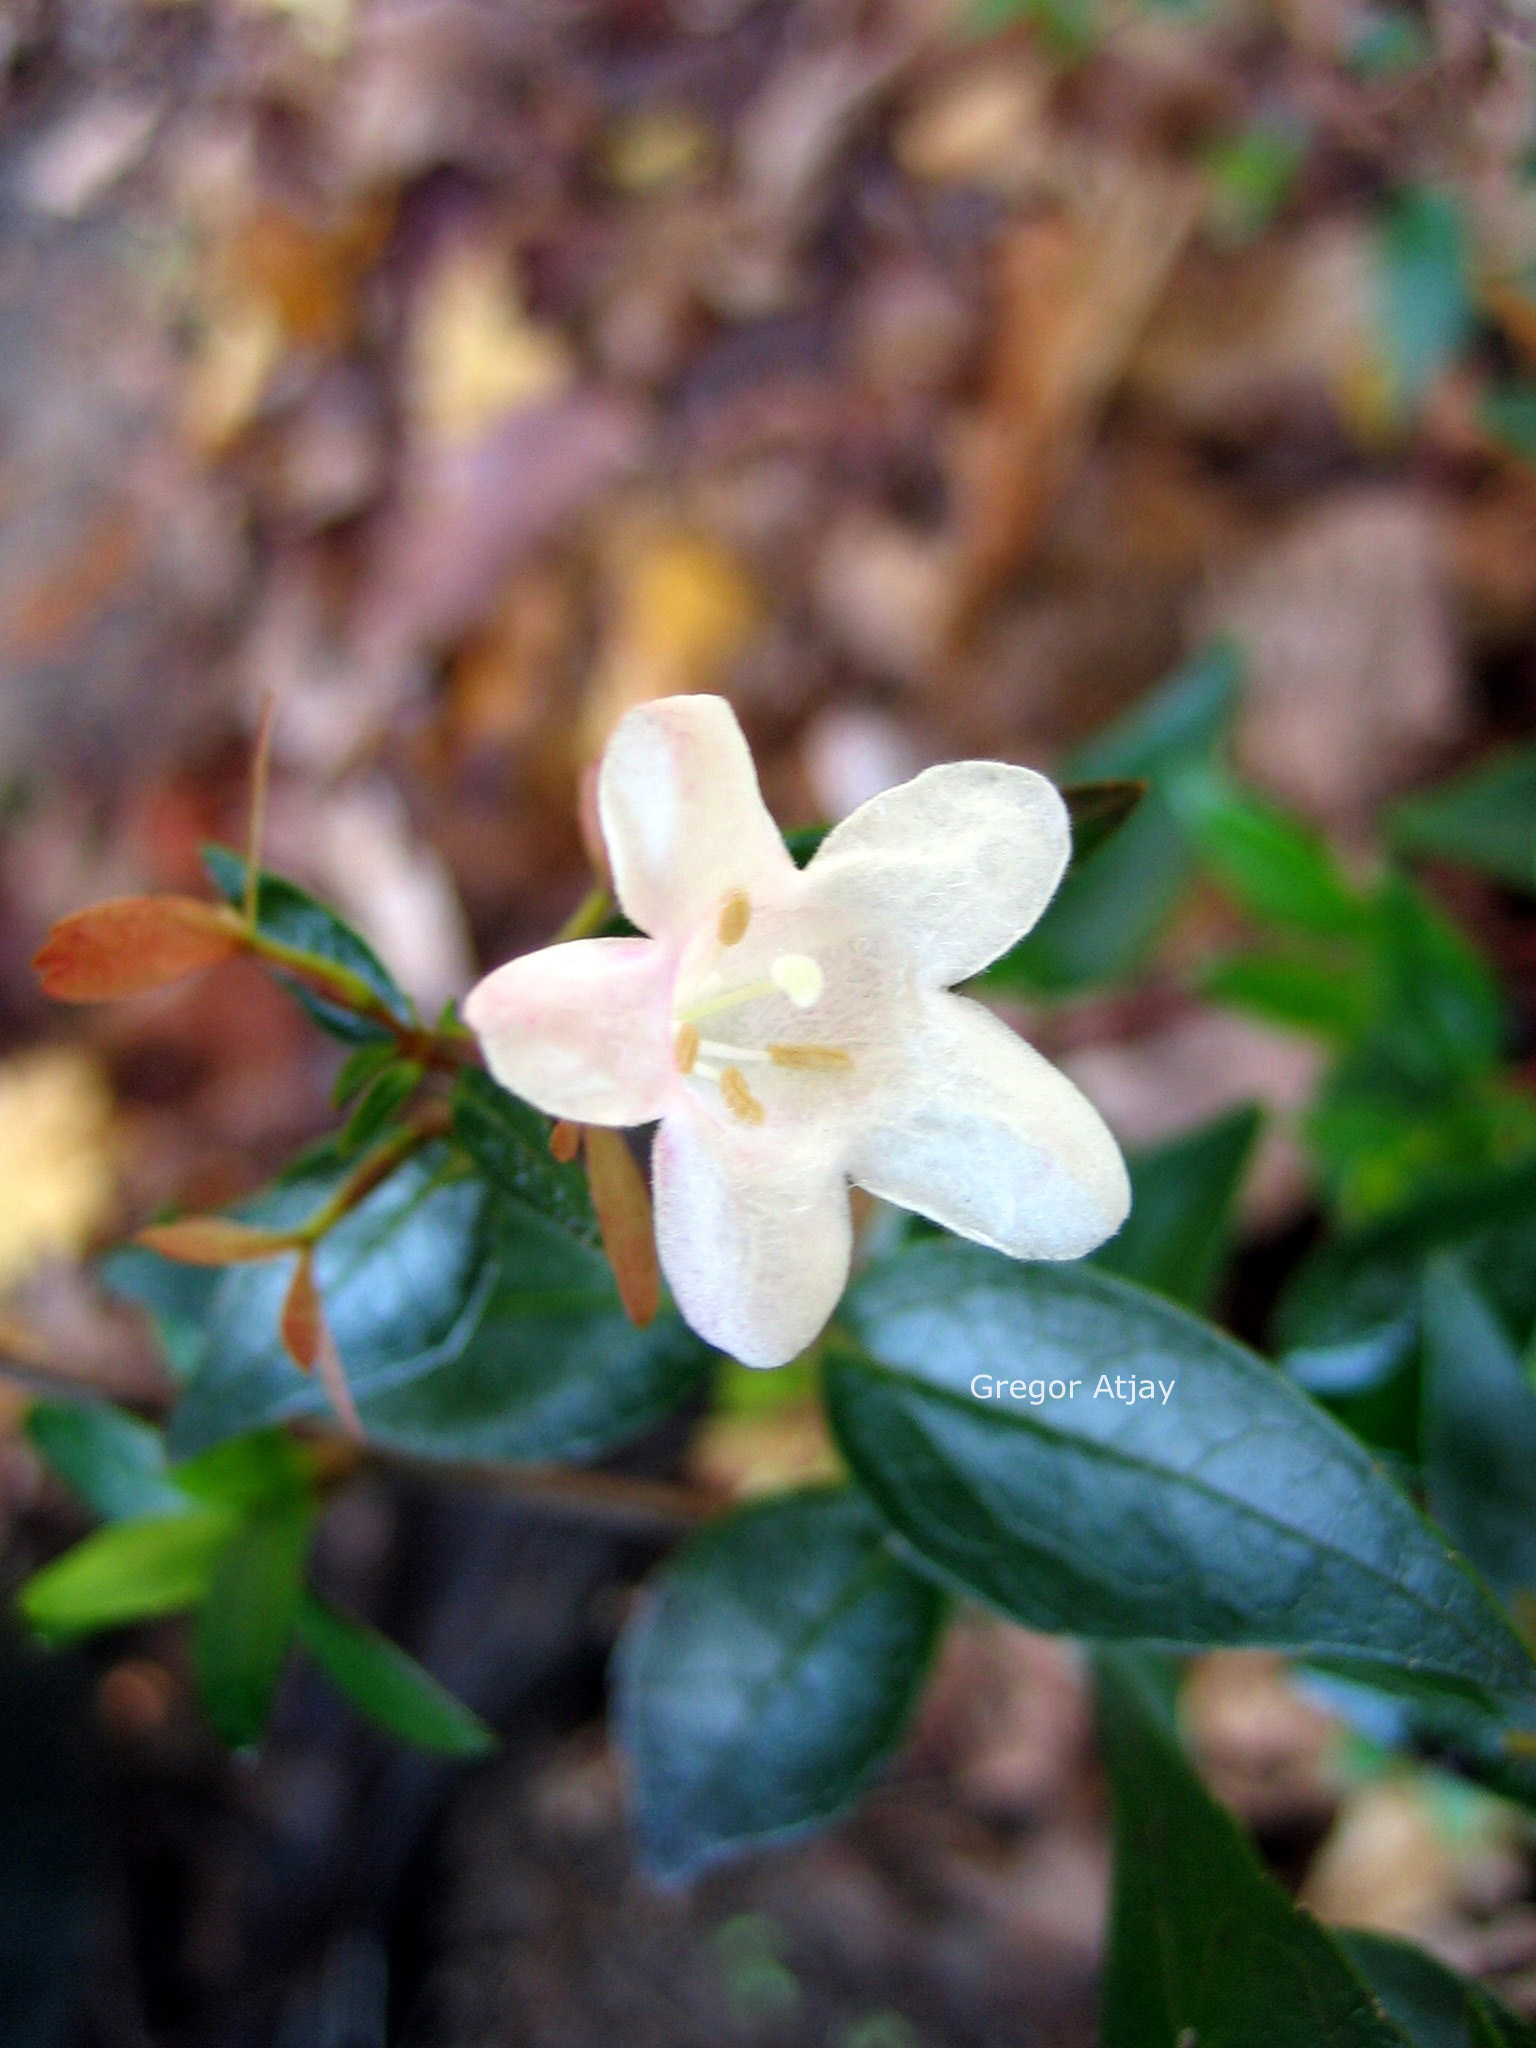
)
(792, 1030)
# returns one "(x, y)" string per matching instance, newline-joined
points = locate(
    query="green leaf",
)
(1479, 1430)
(115, 1463)
(1508, 415)
(1350, 1315)
(380, 1103)
(1114, 904)
(247, 1620)
(553, 1369)
(175, 1297)
(1441, 1013)
(1277, 868)
(1432, 2006)
(1204, 1945)
(361, 1067)
(404, 1279)
(1179, 1231)
(770, 1669)
(389, 1687)
(1098, 810)
(1228, 1510)
(1425, 301)
(292, 916)
(266, 1469)
(509, 1143)
(1485, 820)
(128, 1571)
(1330, 997)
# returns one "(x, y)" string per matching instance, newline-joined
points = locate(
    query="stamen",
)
(735, 916)
(813, 1059)
(800, 978)
(739, 1099)
(685, 1047)
(728, 999)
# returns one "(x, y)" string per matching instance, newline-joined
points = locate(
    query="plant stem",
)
(261, 760)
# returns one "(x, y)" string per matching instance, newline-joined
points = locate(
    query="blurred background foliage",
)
(1142, 391)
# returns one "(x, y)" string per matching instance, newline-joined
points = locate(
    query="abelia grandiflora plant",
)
(792, 1031)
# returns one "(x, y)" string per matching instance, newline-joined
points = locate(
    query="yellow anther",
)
(813, 1059)
(738, 1097)
(735, 916)
(685, 1048)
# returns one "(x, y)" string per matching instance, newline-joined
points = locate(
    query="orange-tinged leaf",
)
(212, 1241)
(623, 1204)
(565, 1141)
(134, 944)
(302, 1327)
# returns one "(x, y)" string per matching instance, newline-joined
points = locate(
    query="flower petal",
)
(755, 1236)
(581, 1030)
(683, 819)
(989, 1140)
(955, 865)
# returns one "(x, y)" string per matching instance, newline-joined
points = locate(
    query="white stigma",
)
(800, 978)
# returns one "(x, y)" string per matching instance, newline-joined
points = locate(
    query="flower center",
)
(793, 978)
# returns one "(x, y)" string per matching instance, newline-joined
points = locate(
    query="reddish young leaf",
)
(212, 1241)
(132, 945)
(302, 1325)
(623, 1204)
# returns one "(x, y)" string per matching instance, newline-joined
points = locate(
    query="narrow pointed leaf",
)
(1183, 1197)
(1204, 1946)
(128, 1571)
(212, 1241)
(1432, 2005)
(115, 1463)
(246, 1623)
(387, 1685)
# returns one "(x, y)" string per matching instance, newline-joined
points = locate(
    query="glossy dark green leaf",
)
(1432, 2005)
(114, 1462)
(1228, 1510)
(1485, 820)
(1183, 1197)
(553, 1369)
(1425, 301)
(1479, 1430)
(246, 1623)
(770, 1668)
(295, 918)
(128, 1571)
(1350, 1316)
(404, 1279)
(1204, 1945)
(1276, 867)
(387, 1685)
(1114, 904)
(509, 1143)
(174, 1296)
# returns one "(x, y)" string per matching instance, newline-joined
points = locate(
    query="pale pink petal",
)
(582, 1030)
(950, 868)
(988, 1139)
(754, 1235)
(683, 820)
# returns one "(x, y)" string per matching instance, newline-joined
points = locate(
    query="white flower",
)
(792, 1031)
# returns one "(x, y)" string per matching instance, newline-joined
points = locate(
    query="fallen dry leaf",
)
(475, 355)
